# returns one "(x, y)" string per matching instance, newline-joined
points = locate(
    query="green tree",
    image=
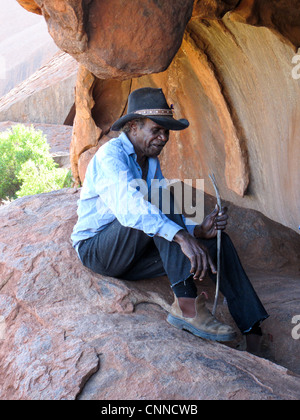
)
(26, 165)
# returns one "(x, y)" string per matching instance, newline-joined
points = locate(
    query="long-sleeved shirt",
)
(113, 189)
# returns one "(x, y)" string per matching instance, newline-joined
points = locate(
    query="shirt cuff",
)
(169, 230)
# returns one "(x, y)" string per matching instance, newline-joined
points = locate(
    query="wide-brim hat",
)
(150, 103)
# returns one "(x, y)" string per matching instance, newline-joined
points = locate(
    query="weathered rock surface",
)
(72, 334)
(282, 16)
(242, 103)
(143, 37)
(22, 52)
(31, 6)
(67, 333)
(142, 44)
(46, 97)
(213, 9)
(232, 80)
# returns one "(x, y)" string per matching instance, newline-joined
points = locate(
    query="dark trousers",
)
(130, 254)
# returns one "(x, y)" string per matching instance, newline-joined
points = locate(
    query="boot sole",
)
(183, 325)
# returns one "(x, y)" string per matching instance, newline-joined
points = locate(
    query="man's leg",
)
(243, 302)
(122, 252)
(130, 254)
(188, 311)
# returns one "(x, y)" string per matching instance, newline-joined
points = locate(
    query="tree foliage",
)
(26, 165)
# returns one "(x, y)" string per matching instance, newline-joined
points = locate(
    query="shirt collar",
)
(128, 146)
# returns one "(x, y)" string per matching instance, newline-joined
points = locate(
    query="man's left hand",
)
(216, 220)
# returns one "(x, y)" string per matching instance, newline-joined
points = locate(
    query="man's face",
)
(149, 139)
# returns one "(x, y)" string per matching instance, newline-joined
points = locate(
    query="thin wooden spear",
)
(219, 236)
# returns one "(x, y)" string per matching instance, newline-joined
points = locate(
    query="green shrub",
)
(26, 165)
(37, 179)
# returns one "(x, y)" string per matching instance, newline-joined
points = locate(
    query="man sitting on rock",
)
(122, 231)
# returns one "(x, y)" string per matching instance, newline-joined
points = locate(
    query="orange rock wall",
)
(234, 83)
(232, 78)
(282, 16)
(31, 6)
(117, 39)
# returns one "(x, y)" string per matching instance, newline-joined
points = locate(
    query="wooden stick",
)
(219, 236)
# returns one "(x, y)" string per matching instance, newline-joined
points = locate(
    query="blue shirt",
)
(113, 188)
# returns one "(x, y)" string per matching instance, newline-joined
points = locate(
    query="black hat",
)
(150, 103)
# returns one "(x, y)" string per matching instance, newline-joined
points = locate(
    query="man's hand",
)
(196, 253)
(216, 220)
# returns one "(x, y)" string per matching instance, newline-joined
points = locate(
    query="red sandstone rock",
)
(143, 37)
(46, 96)
(213, 9)
(22, 51)
(242, 103)
(60, 319)
(283, 15)
(244, 125)
(280, 15)
(31, 6)
(86, 134)
(233, 81)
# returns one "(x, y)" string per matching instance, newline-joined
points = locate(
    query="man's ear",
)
(133, 127)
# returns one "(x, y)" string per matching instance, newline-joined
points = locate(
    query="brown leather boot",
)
(193, 316)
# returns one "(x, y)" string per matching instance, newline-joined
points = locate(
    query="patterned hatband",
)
(155, 112)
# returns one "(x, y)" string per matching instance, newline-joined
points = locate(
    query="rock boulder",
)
(22, 51)
(143, 37)
(46, 97)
